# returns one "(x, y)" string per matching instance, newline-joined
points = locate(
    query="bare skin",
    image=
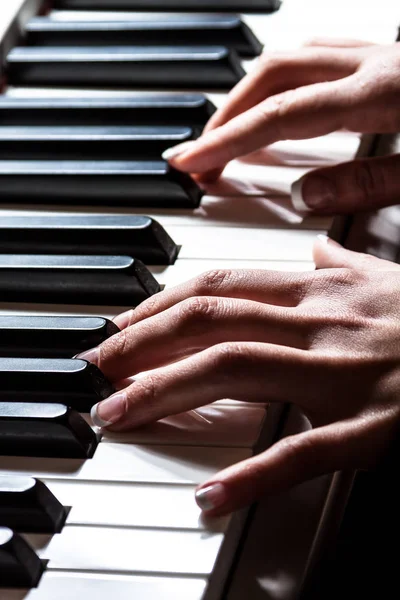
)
(323, 87)
(327, 341)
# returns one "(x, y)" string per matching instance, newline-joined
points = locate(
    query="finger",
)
(194, 325)
(271, 287)
(257, 372)
(277, 73)
(247, 371)
(338, 43)
(350, 444)
(329, 254)
(301, 113)
(360, 185)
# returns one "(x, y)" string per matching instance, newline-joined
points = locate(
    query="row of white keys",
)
(134, 529)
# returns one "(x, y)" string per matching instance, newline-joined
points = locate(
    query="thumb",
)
(329, 254)
(293, 460)
(360, 185)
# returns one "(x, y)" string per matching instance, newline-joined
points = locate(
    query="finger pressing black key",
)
(141, 237)
(51, 336)
(27, 505)
(44, 430)
(188, 110)
(154, 29)
(77, 383)
(194, 67)
(109, 280)
(20, 567)
(124, 183)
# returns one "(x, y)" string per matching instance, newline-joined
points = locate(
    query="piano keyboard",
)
(78, 160)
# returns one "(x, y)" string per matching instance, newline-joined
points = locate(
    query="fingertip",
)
(297, 196)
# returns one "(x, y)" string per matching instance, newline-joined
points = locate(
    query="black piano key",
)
(125, 183)
(181, 5)
(20, 567)
(131, 235)
(195, 67)
(74, 382)
(148, 30)
(51, 336)
(44, 430)
(62, 279)
(27, 505)
(89, 142)
(187, 110)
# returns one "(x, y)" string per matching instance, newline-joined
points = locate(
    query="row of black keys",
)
(41, 398)
(72, 166)
(28, 506)
(81, 259)
(192, 51)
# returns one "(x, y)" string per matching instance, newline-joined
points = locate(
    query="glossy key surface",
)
(75, 382)
(131, 235)
(89, 142)
(44, 430)
(20, 567)
(139, 109)
(62, 279)
(31, 336)
(190, 5)
(126, 183)
(27, 505)
(146, 29)
(194, 67)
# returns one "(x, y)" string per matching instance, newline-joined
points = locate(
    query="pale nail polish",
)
(109, 411)
(123, 320)
(175, 151)
(92, 355)
(297, 196)
(211, 497)
(324, 239)
(313, 192)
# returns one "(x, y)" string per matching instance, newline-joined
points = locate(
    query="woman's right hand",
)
(323, 87)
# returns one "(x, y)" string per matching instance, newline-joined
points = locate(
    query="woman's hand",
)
(323, 87)
(327, 341)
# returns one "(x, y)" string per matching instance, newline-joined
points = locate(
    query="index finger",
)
(301, 113)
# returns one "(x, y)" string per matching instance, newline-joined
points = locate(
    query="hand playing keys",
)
(327, 341)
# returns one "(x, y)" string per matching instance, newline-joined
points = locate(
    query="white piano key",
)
(131, 551)
(252, 212)
(132, 505)
(132, 464)
(243, 244)
(212, 425)
(100, 586)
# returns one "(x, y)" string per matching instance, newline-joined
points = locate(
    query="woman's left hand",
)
(327, 341)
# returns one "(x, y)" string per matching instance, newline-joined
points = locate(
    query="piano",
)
(103, 514)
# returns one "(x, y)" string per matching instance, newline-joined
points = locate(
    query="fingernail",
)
(92, 355)
(212, 496)
(123, 320)
(312, 192)
(171, 153)
(109, 411)
(324, 239)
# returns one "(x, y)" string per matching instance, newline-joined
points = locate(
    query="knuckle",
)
(229, 356)
(148, 393)
(298, 452)
(196, 312)
(210, 282)
(117, 345)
